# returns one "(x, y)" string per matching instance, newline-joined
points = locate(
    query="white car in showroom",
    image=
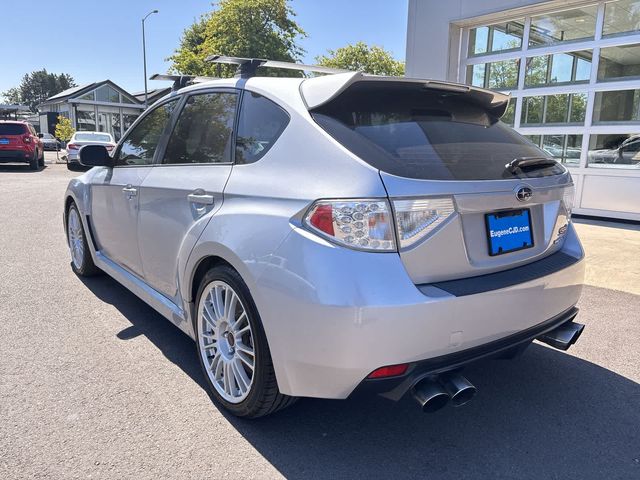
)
(319, 237)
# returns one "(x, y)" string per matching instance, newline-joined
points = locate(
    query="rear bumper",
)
(7, 156)
(394, 388)
(333, 315)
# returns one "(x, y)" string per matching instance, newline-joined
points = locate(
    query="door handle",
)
(200, 197)
(130, 191)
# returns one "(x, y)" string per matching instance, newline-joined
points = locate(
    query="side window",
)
(203, 131)
(141, 143)
(260, 124)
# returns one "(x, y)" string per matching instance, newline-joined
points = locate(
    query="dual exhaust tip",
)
(432, 394)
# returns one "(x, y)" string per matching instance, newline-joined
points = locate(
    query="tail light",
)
(72, 146)
(360, 224)
(26, 139)
(108, 147)
(417, 218)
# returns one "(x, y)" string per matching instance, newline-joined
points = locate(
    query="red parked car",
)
(19, 142)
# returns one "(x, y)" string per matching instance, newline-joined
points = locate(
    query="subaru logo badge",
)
(524, 194)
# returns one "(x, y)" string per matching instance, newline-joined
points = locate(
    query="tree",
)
(64, 129)
(362, 57)
(37, 86)
(241, 28)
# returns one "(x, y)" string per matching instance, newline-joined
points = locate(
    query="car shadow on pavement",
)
(545, 415)
(19, 168)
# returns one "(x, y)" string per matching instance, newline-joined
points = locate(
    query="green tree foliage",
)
(241, 28)
(362, 57)
(64, 129)
(37, 86)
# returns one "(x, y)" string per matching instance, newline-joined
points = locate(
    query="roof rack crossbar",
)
(180, 81)
(247, 67)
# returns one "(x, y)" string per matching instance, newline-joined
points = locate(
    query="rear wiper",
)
(525, 162)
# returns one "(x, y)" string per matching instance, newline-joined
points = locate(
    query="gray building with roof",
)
(99, 106)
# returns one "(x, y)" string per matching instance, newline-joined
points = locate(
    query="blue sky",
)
(95, 40)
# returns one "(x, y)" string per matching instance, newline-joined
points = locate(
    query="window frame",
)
(162, 144)
(140, 118)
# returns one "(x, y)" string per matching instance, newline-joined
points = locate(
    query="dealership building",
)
(99, 106)
(573, 71)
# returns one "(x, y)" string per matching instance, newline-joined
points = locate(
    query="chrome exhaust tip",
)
(460, 389)
(564, 336)
(430, 395)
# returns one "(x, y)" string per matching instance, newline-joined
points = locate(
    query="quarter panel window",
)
(203, 131)
(260, 124)
(141, 143)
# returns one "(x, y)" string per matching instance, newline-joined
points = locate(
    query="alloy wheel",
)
(226, 341)
(76, 238)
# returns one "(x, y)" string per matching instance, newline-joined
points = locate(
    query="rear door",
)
(184, 189)
(115, 191)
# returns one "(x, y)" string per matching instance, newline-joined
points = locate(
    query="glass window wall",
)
(614, 151)
(498, 75)
(619, 63)
(554, 109)
(496, 38)
(558, 69)
(510, 115)
(567, 26)
(621, 17)
(564, 148)
(85, 118)
(620, 106)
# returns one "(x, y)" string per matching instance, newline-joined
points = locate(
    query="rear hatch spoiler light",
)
(318, 91)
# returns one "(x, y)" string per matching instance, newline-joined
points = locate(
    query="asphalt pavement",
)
(95, 384)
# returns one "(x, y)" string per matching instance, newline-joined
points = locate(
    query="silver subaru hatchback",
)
(320, 237)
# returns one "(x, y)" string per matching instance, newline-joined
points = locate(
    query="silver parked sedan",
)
(331, 235)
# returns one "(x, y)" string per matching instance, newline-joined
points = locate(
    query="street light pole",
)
(144, 56)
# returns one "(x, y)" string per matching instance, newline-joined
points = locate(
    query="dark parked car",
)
(49, 142)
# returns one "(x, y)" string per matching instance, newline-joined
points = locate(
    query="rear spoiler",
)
(318, 91)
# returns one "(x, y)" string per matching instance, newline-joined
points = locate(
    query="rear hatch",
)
(11, 135)
(470, 195)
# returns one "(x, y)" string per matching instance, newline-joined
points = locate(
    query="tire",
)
(34, 163)
(218, 339)
(81, 260)
(41, 160)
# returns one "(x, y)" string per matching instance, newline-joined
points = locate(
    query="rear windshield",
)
(406, 130)
(12, 129)
(93, 137)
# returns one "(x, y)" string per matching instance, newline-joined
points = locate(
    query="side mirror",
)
(95, 156)
(40, 135)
